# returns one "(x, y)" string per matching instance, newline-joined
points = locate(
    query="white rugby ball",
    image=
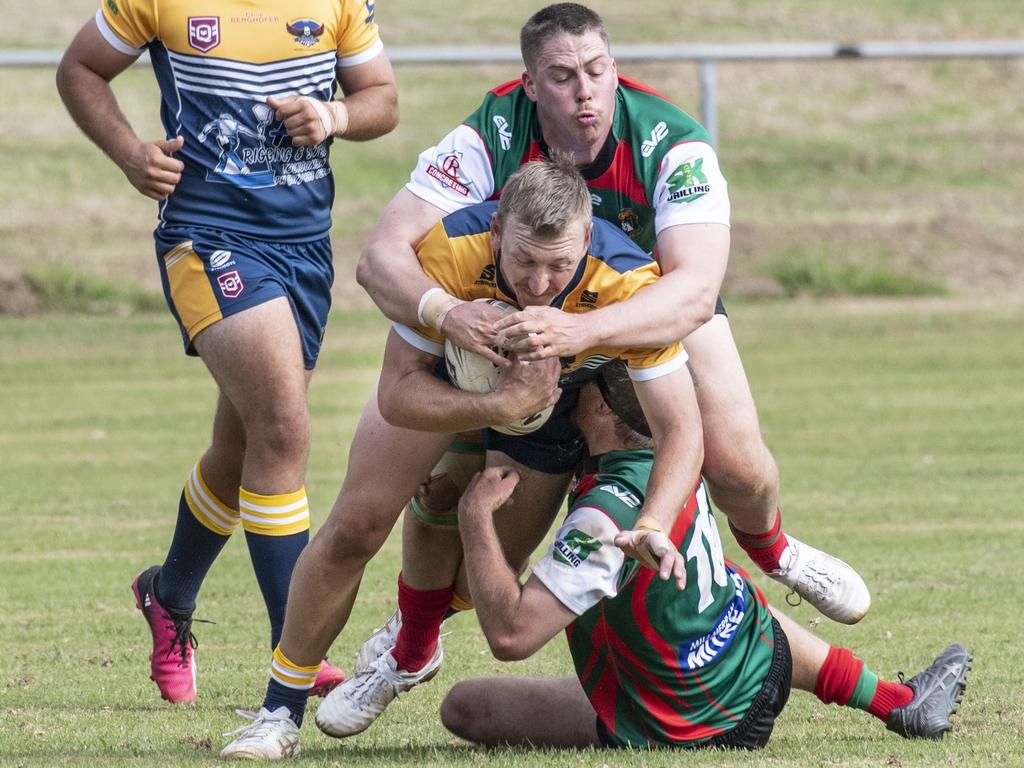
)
(471, 372)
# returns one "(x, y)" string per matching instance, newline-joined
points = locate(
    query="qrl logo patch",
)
(204, 32)
(231, 285)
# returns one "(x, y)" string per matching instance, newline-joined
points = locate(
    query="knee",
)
(742, 466)
(355, 530)
(457, 713)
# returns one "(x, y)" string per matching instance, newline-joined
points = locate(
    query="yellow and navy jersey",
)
(216, 65)
(457, 254)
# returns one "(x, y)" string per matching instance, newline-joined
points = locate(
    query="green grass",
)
(896, 426)
(819, 274)
(65, 287)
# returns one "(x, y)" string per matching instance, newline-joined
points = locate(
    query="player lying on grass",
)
(537, 246)
(708, 666)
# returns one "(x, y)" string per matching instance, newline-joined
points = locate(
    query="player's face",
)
(573, 82)
(538, 268)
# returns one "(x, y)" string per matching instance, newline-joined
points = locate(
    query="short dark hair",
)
(617, 391)
(557, 19)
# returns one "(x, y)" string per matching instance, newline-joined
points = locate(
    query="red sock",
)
(846, 680)
(838, 676)
(888, 697)
(422, 614)
(766, 548)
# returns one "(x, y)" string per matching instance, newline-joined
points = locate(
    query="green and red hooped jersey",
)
(657, 168)
(660, 665)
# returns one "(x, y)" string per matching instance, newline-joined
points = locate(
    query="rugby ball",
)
(471, 372)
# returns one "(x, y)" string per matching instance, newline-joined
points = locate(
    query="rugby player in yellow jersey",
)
(245, 191)
(536, 246)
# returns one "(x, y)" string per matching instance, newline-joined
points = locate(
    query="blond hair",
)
(546, 196)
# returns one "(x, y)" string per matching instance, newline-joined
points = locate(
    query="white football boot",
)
(826, 582)
(270, 736)
(353, 706)
(380, 642)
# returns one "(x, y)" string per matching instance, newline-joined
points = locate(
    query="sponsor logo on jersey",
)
(113, 7)
(575, 548)
(446, 170)
(588, 300)
(307, 31)
(255, 17)
(660, 132)
(504, 134)
(595, 200)
(371, 8)
(622, 495)
(220, 260)
(231, 285)
(486, 275)
(688, 182)
(204, 32)
(629, 222)
(701, 651)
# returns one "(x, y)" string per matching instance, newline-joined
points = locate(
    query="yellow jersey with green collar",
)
(457, 254)
(216, 64)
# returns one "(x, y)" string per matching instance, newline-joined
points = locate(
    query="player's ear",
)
(529, 87)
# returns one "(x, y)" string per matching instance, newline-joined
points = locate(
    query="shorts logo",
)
(231, 285)
(307, 31)
(446, 170)
(575, 548)
(220, 259)
(688, 182)
(204, 32)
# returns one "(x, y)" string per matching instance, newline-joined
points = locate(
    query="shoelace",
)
(260, 726)
(367, 684)
(183, 637)
(817, 581)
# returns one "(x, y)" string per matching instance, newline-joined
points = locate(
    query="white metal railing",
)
(705, 55)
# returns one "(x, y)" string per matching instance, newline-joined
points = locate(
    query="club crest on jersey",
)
(629, 222)
(446, 169)
(230, 284)
(575, 548)
(204, 32)
(688, 182)
(307, 31)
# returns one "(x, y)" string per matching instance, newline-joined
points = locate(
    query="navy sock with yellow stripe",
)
(204, 526)
(276, 531)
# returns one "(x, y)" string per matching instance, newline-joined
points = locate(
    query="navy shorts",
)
(209, 274)
(555, 448)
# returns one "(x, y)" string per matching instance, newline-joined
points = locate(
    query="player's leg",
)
(521, 711)
(921, 708)
(256, 357)
(743, 481)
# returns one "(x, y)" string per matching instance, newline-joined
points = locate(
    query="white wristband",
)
(423, 303)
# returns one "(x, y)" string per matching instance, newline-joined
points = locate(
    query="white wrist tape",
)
(324, 113)
(423, 303)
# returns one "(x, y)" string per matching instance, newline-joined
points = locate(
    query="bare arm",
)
(517, 620)
(410, 396)
(693, 260)
(391, 274)
(83, 80)
(670, 405)
(369, 110)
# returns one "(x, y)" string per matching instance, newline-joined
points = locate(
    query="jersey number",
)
(706, 548)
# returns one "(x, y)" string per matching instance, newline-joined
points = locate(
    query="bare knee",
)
(282, 430)
(459, 710)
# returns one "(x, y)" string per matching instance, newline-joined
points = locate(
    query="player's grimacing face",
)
(538, 268)
(573, 81)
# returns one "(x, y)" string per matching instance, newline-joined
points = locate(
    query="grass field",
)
(896, 425)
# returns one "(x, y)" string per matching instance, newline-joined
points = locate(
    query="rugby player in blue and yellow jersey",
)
(706, 666)
(245, 193)
(536, 246)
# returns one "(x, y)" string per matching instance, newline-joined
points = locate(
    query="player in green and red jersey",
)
(708, 666)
